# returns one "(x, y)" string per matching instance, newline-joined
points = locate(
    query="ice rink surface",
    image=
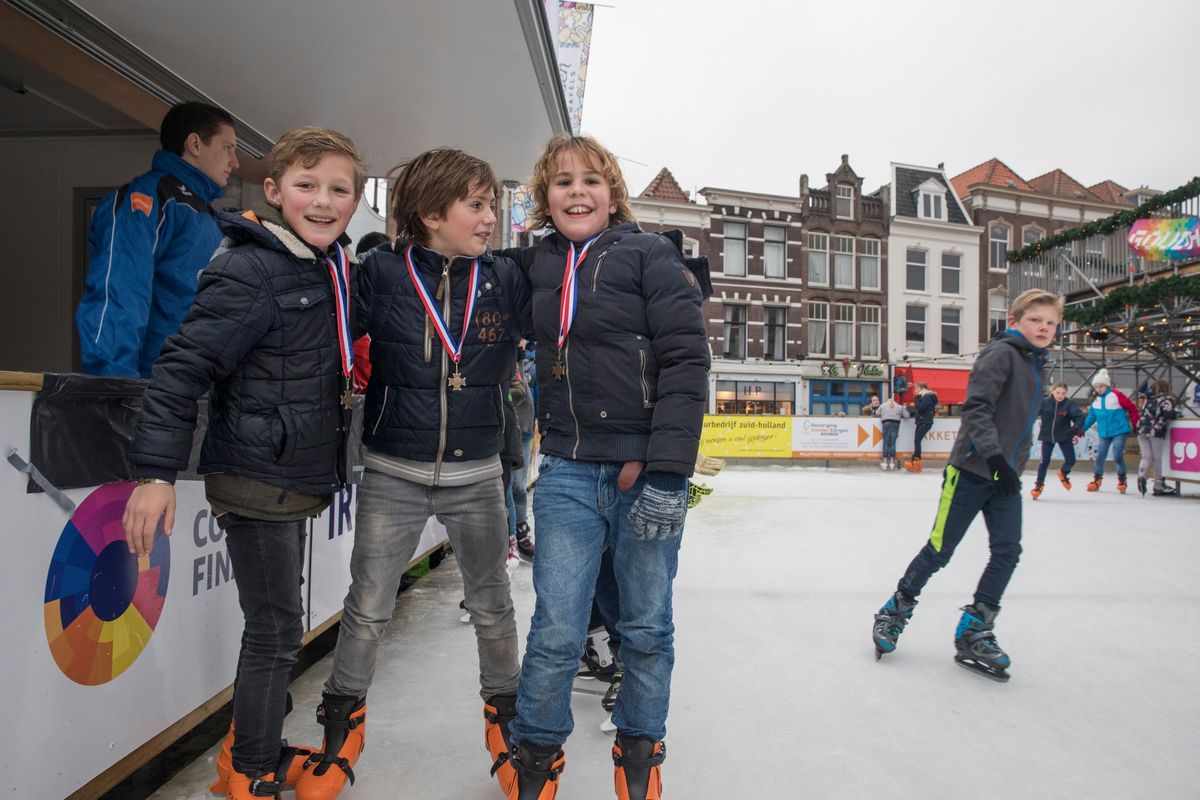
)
(777, 693)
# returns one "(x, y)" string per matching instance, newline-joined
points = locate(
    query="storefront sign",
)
(1160, 239)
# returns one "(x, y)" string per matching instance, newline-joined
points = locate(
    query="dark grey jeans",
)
(267, 559)
(391, 515)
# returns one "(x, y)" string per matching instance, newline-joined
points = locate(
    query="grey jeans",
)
(391, 515)
(1152, 456)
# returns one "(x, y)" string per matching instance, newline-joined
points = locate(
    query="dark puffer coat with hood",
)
(262, 335)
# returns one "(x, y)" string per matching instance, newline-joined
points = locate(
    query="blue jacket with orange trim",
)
(147, 244)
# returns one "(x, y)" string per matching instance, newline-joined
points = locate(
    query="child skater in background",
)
(623, 361)
(269, 340)
(1061, 420)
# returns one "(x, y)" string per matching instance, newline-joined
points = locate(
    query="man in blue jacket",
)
(150, 239)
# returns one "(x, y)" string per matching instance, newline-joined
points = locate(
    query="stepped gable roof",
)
(993, 172)
(1110, 192)
(665, 187)
(1059, 183)
(907, 181)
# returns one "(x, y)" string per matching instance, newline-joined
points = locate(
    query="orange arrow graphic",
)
(862, 434)
(876, 436)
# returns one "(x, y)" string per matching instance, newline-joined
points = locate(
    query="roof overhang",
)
(398, 78)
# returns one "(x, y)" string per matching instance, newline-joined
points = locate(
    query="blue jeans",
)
(1118, 450)
(1068, 451)
(891, 430)
(579, 513)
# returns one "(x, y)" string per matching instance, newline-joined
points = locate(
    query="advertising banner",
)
(1161, 239)
(1183, 450)
(747, 437)
(743, 436)
(105, 650)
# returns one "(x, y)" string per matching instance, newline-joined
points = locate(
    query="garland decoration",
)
(1158, 291)
(1103, 227)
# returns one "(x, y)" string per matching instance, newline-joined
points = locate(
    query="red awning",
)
(949, 384)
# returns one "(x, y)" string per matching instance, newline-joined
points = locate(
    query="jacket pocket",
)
(303, 299)
(287, 445)
(648, 397)
(382, 411)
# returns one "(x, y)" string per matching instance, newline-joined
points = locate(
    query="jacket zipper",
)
(382, 410)
(1035, 365)
(571, 399)
(437, 463)
(645, 386)
(596, 273)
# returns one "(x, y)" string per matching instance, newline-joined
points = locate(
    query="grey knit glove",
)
(660, 509)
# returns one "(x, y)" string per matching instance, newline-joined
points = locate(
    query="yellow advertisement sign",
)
(747, 437)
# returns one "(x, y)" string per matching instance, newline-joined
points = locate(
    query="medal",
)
(339, 273)
(454, 349)
(569, 301)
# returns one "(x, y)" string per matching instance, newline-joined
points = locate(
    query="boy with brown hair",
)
(268, 339)
(442, 313)
(1003, 397)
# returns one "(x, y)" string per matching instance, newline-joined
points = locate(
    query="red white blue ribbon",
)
(454, 349)
(570, 289)
(339, 273)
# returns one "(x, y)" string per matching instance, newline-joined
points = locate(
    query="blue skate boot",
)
(890, 622)
(976, 643)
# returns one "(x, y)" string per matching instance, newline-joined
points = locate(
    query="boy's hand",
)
(1005, 479)
(660, 509)
(629, 475)
(147, 505)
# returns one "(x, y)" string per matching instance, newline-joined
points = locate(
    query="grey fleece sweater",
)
(1003, 398)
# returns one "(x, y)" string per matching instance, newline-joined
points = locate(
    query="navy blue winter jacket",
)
(262, 336)
(411, 411)
(635, 364)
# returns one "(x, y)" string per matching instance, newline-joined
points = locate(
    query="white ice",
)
(777, 693)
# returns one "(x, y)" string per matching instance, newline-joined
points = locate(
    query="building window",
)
(691, 247)
(998, 247)
(869, 261)
(951, 273)
(914, 328)
(775, 333)
(755, 397)
(818, 328)
(869, 328)
(951, 322)
(843, 329)
(845, 202)
(914, 279)
(843, 262)
(735, 331)
(1030, 235)
(818, 259)
(931, 206)
(735, 249)
(997, 313)
(774, 251)
(841, 397)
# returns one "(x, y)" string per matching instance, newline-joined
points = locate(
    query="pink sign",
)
(1161, 239)
(1183, 449)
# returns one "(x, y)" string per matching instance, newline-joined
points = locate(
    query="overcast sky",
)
(749, 94)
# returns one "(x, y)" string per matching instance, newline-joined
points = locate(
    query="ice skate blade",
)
(1000, 676)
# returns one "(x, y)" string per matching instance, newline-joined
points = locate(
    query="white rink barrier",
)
(104, 652)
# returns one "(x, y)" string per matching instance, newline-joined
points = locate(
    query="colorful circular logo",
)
(102, 603)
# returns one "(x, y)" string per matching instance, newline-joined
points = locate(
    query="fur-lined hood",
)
(263, 225)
